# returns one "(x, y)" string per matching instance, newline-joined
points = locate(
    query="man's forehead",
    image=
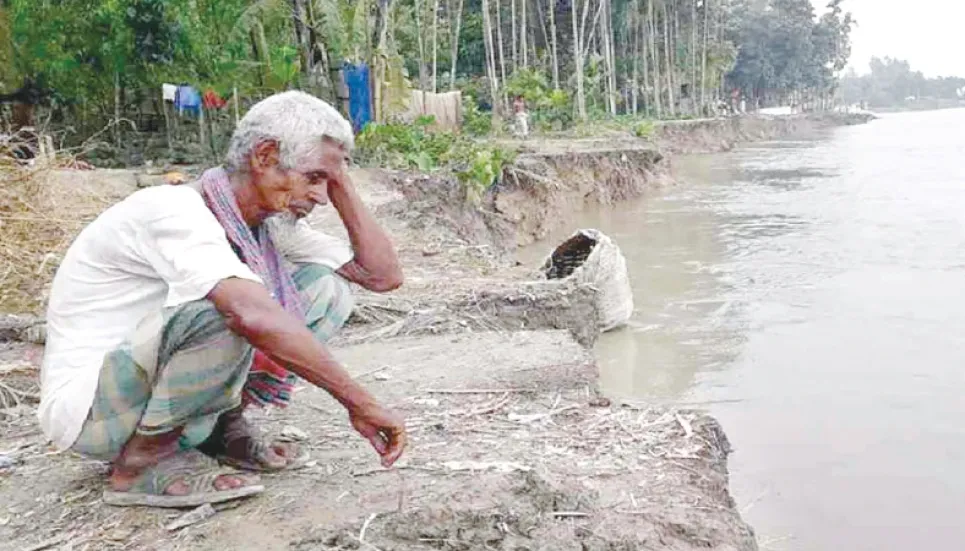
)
(323, 156)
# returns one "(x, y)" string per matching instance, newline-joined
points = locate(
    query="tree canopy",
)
(893, 83)
(573, 59)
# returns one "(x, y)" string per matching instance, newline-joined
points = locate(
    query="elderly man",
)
(181, 305)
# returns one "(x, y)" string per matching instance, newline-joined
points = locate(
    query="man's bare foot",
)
(144, 452)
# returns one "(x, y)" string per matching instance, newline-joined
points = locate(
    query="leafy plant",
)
(483, 171)
(644, 129)
(549, 109)
(474, 121)
(416, 147)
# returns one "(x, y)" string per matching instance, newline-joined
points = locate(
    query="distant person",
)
(521, 117)
(176, 308)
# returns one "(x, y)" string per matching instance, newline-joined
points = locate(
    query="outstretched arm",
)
(252, 313)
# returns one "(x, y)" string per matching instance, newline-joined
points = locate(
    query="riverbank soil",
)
(512, 446)
(511, 450)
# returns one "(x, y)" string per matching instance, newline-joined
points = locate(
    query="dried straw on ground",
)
(42, 209)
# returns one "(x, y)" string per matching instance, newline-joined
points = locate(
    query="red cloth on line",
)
(212, 100)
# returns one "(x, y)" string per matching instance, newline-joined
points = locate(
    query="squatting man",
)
(183, 305)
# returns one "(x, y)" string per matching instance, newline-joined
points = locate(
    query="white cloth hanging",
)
(168, 91)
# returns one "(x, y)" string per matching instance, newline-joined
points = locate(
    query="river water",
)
(811, 295)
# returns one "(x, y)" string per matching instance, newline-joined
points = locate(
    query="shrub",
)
(415, 146)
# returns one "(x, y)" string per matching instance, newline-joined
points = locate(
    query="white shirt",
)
(160, 247)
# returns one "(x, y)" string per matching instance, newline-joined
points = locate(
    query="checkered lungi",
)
(182, 367)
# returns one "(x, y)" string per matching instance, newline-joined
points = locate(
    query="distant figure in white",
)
(521, 126)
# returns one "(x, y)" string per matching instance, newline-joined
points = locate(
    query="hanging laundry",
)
(187, 99)
(169, 92)
(360, 101)
(212, 100)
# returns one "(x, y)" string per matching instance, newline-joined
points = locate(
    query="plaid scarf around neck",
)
(268, 382)
(255, 247)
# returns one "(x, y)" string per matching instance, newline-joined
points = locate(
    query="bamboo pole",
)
(554, 53)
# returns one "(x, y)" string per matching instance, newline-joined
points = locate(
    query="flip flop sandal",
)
(193, 468)
(255, 457)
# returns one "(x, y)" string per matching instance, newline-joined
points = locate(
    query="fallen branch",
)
(491, 408)
(688, 430)
(372, 371)
(568, 514)
(365, 526)
(530, 418)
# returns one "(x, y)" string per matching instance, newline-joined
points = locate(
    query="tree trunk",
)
(369, 46)
(541, 18)
(578, 60)
(655, 60)
(634, 39)
(703, 62)
(666, 51)
(301, 35)
(590, 40)
(720, 40)
(553, 51)
(644, 65)
(435, 48)
(117, 110)
(605, 37)
(523, 35)
(613, 63)
(512, 14)
(674, 42)
(455, 43)
(490, 59)
(422, 47)
(502, 60)
(378, 61)
(693, 55)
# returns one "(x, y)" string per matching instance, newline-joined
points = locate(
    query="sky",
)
(923, 32)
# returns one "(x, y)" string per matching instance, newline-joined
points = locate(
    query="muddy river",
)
(811, 295)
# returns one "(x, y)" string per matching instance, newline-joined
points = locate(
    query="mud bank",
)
(511, 449)
(723, 134)
(552, 178)
(540, 190)
(512, 446)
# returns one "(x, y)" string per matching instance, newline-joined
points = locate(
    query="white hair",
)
(296, 120)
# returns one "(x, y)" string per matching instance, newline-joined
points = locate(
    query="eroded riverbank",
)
(513, 445)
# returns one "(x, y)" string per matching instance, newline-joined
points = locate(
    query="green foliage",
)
(531, 84)
(474, 121)
(783, 49)
(417, 147)
(548, 109)
(79, 49)
(484, 169)
(403, 146)
(893, 83)
(345, 23)
(644, 129)
(555, 110)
